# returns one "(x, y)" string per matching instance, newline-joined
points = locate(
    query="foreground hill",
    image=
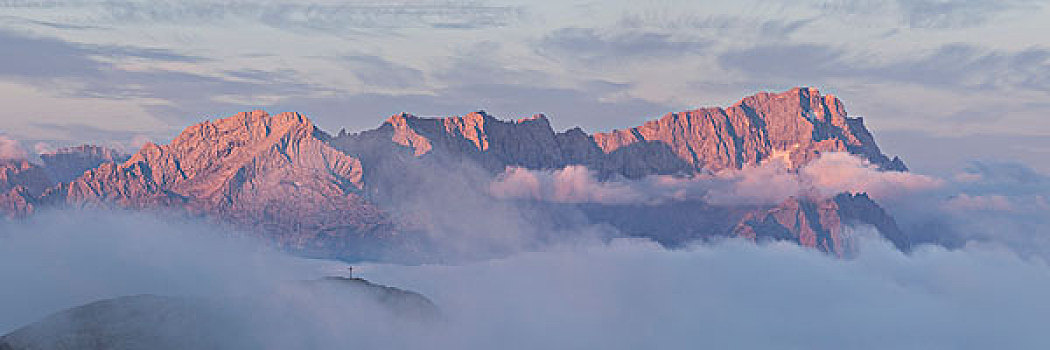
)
(162, 322)
(284, 178)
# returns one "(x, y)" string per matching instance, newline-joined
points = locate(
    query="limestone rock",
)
(66, 164)
(22, 173)
(801, 123)
(18, 202)
(820, 223)
(797, 125)
(281, 176)
(272, 173)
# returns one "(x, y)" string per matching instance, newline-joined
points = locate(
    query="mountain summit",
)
(283, 177)
(796, 125)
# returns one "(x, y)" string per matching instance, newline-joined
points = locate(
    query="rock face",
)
(17, 203)
(258, 171)
(477, 136)
(20, 183)
(281, 176)
(812, 222)
(22, 173)
(798, 125)
(820, 223)
(66, 164)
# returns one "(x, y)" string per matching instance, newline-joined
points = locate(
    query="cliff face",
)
(17, 202)
(477, 136)
(798, 125)
(820, 223)
(66, 164)
(281, 176)
(253, 169)
(22, 173)
(20, 183)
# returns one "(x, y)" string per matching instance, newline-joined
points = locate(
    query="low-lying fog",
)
(624, 294)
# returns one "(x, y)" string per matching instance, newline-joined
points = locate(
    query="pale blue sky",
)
(939, 82)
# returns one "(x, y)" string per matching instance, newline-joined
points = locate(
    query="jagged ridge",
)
(282, 176)
(798, 124)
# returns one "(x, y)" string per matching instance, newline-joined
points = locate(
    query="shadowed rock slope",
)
(66, 164)
(820, 223)
(23, 174)
(273, 174)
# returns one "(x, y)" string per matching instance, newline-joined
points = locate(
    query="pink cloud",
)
(768, 183)
(10, 149)
(573, 184)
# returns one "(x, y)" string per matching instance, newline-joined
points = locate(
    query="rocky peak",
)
(820, 222)
(800, 123)
(252, 168)
(17, 202)
(68, 163)
(281, 175)
(478, 136)
(796, 125)
(23, 173)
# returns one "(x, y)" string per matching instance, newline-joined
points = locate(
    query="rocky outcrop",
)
(821, 223)
(18, 202)
(22, 173)
(796, 125)
(477, 136)
(67, 164)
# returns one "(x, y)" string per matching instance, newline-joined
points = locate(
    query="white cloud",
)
(628, 294)
(633, 294)
(11, 149)
(768, 183)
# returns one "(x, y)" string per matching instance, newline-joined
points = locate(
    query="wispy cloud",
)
(11, 149)
(932, 13)
(715, 26)
(379, 72)
(313, 16)
(594, 46)
(766, 184)
(949, 66)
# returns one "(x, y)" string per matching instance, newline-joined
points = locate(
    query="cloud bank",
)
(988, 202)
(633, 294)
(11, 149)
(627, 294)
(768, 183)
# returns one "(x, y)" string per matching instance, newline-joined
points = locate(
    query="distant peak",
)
(264, 117)
(86, 150)
(804, 89)
(538, 116)
(400, 118)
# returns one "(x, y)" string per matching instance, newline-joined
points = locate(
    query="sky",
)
(940, 83)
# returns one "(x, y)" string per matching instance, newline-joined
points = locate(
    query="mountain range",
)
(287, 180)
